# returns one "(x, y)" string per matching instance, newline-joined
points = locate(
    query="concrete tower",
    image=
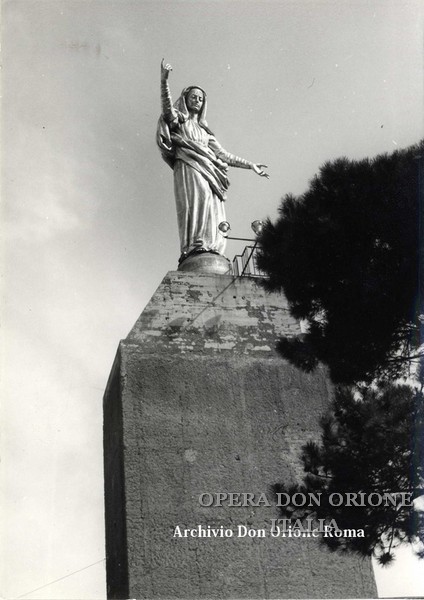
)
(198, 402)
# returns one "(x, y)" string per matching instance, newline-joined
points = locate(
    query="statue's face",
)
(194, 100)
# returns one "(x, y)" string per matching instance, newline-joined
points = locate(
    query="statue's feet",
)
(206, 262)
(185, 255)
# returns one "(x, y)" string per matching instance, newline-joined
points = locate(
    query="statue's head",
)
(195, 99)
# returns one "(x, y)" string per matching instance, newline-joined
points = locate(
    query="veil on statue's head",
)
(181, 105)
(163, 135)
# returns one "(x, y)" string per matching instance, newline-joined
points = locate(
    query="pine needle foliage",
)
(372, 443)
(346, 255)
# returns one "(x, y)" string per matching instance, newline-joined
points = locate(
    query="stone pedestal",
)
(199, 402)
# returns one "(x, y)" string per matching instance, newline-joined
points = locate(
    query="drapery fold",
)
(197, 155)
(200, 166)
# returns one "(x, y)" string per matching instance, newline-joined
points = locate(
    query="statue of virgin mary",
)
(200, 166)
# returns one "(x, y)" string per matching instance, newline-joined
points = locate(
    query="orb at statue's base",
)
(206, 262)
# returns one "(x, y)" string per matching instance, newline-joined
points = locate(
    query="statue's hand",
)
(164, 70)
(258, 168)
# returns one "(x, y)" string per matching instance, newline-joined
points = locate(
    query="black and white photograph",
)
(212, 314)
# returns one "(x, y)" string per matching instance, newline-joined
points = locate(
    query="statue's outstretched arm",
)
(168, 111)
(236, 161)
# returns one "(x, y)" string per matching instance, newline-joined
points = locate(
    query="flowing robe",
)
(200, 167)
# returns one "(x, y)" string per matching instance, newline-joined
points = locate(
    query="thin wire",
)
(235, 277)
(60, 578)
(211, 302)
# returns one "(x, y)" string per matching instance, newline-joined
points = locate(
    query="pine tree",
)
(346, 255)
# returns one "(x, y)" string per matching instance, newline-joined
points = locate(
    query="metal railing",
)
(244, 265)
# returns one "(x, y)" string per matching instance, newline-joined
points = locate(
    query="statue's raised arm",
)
(168, 111)
(200, 166)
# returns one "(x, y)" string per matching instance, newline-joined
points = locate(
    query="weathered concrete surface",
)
(199, 402)
(198, 314)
